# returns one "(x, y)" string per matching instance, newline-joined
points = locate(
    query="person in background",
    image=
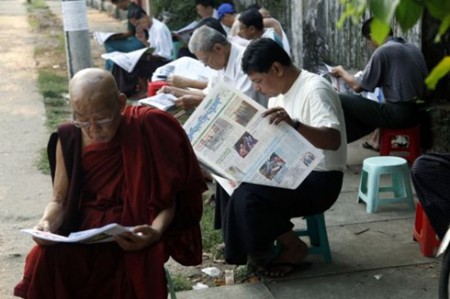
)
(255, 215)
(111, 164)
(431, 178)
(226, 14)
(152, 33)
(399, 69)
(205, 9)
(228, 17)
(125, 41)
(251, 27)
(268, 22)
(185, 82)
(215, 51)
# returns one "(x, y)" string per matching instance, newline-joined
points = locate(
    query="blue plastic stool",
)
(316, 230)
(369, 188)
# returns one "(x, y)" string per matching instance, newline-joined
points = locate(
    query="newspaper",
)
(338, 83)
(232, 139)
(186, 67)
(127, 61)
(186, 32)
(102, 37)
(95, 235)
(342, 87)
(162, 101)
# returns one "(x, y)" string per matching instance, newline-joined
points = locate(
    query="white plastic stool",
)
(369, 188)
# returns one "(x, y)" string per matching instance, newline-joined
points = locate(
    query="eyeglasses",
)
(87, 124)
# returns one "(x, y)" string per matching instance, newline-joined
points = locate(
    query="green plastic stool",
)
(369, 187)
(170, 286)
(316, 230)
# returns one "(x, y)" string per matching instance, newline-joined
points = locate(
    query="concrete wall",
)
(311, 26)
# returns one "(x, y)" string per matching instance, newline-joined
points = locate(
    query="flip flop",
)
(278, 270)
(366, 145)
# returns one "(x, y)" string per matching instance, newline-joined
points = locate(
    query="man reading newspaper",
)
(256, 215)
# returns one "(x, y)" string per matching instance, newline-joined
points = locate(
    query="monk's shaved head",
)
(93, 84)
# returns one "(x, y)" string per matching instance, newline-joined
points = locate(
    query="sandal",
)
(278, 270)
(366, 145)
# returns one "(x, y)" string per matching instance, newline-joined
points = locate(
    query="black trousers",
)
(126, 82)
(362, 115)
(431, 178)
(255, 215)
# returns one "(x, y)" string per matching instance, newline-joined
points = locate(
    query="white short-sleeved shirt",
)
(270, 33)
(160, 38)
(313, 101)
(232, 74)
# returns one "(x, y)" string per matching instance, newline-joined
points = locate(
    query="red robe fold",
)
(129, 180)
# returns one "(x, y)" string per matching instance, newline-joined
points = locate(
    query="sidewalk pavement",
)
(374, 255)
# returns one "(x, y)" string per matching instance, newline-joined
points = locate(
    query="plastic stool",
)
(424, 233)
(154, 86)
(316, 230)
(411, 147)
(170, 286)
(369, 187)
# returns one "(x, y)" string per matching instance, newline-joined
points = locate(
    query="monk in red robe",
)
(116, 164)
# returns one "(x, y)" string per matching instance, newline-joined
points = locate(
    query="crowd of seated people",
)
(110, 164)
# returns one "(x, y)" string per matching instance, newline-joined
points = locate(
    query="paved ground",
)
(23, 189)
(374, 255)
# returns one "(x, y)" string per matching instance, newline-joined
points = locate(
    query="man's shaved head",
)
(93, 84)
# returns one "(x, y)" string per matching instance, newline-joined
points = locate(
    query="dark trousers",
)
(127, 82)
(431, 178)
(362, 115)
(255, 215)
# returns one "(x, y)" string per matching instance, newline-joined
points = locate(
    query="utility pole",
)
(76, 34)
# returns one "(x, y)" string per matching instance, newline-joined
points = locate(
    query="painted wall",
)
(312, 29)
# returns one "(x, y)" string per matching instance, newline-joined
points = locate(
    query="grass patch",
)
(52, 85)
(52, 82)
(36, 4)
(42, 163)
(181, 283)
(210, 236)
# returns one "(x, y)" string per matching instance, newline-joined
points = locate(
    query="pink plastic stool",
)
(424, 233)
(154, 86)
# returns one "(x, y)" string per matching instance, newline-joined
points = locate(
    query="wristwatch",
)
(297, 124)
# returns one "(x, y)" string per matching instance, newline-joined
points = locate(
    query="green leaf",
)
(408, 13)
(384, 9)
(379, 30)
(438, 72)
(354, 9)
(444, 25)
(438, 8)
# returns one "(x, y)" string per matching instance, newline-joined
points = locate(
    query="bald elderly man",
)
(214, 50)
(111, 165)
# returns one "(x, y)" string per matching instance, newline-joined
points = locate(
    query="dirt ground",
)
(24, 191)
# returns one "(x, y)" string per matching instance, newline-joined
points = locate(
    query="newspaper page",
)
(186, 32)
(127, 61)
(338, 83)
(186, 67)
(95, 235)
(102, 37)
(232, 139)
(162, 101)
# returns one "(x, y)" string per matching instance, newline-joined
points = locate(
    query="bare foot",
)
(290, 259)
(293, 254)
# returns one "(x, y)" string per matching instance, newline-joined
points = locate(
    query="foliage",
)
(180, 13)
(181, 283)
(407, 13)
(210, 237)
